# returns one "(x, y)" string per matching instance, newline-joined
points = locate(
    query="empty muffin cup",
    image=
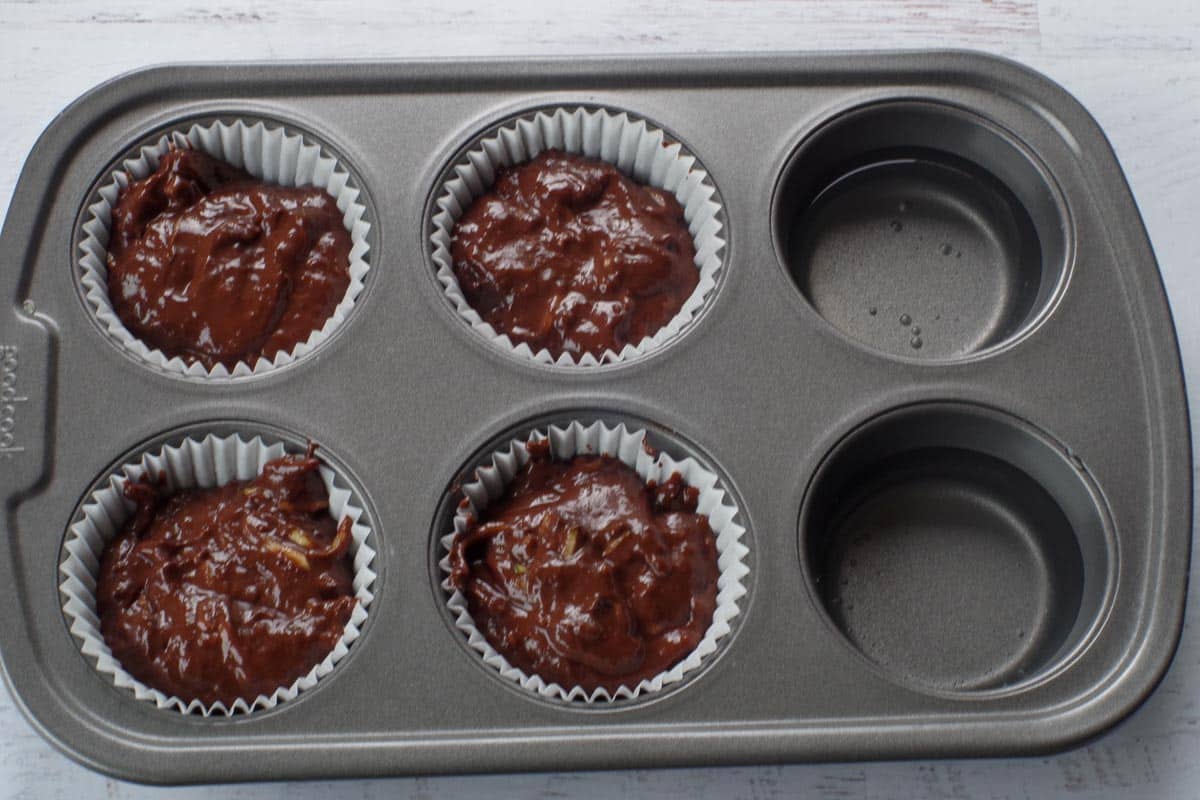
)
(188, 462)
(957, 548)
(637, 149)
(630, 447)
(922, 230)
(268, 151)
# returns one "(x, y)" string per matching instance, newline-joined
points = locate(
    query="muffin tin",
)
(936, 373)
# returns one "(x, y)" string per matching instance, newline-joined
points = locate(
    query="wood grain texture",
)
(1134, 65)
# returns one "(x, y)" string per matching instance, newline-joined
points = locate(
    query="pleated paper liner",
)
(203, 462)
(628, 446)
(268, 151)
(632, 145)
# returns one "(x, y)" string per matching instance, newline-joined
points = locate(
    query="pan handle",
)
(28, 356)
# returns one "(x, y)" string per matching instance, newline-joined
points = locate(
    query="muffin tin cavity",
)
(273, 152)
(921, 230)
(655, 454)
(637, 148)
(201, 456)
(957, 548)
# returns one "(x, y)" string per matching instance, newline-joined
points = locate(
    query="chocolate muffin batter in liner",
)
(198, 463)
(268, 152)
(628, 447)
(636, 148)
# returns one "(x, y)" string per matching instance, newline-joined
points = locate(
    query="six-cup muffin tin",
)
(937, 376)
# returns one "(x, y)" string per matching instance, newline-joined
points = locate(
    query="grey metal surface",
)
(957, 548)
(922, 230)
(763, 385)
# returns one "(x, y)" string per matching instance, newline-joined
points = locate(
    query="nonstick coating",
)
(767, 383)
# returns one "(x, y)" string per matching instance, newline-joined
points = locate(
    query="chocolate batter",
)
(586, 576)
(209, 264)
(568, 254)
(216, 594)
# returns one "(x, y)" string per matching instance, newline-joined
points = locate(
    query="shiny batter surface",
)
(586, 576)
(216, 594)
(209, 264)
(566, 253)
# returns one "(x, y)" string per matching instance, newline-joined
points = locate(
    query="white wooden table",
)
(1135, 65)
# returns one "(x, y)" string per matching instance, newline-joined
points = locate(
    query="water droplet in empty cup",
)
(905, 320)
(946, 249)
(916, 330)
(872, 311)
(916, 342)
(896, 225)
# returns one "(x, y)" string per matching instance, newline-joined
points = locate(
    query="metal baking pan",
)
(974, 545)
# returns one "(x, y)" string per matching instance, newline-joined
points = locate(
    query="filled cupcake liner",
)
(638, 150)
(270, 153)
(195, 463)
(629, 447)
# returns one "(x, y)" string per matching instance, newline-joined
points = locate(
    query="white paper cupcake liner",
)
(270, 153)
(638, 150)
(195, 463)
(629, 447)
